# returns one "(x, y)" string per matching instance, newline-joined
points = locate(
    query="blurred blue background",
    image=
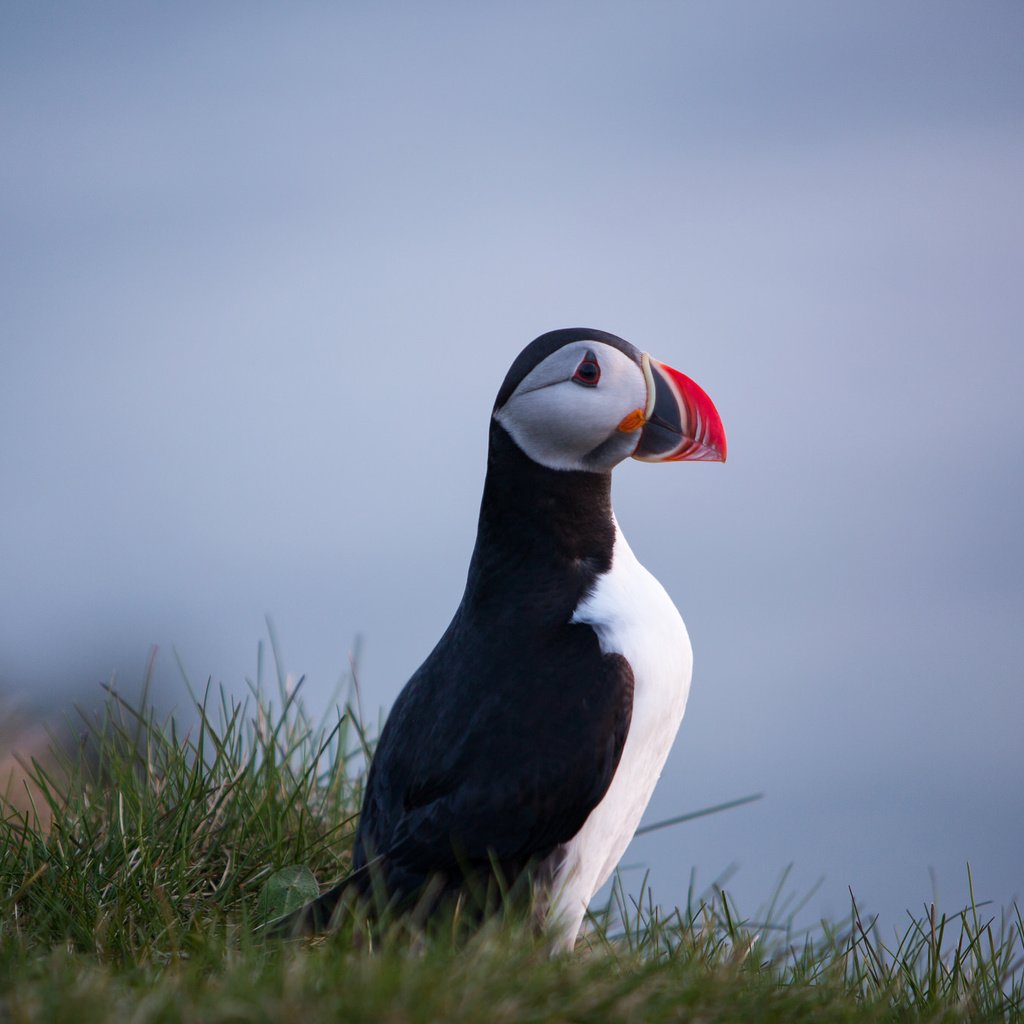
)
(264, 268)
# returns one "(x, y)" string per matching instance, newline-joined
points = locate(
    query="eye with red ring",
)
(588, 373)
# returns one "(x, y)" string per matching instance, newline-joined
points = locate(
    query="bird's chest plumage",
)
(632, 616)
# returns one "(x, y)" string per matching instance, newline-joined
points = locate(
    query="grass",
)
(137, 868)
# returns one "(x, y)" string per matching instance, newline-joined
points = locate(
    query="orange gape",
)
(633, 421)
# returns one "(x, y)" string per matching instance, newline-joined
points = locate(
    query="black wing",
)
(497, 753)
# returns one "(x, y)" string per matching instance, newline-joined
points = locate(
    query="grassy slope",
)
(137, 890)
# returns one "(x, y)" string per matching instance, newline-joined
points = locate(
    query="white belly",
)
(632, 616)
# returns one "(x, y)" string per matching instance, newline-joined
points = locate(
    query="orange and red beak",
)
(680, 423)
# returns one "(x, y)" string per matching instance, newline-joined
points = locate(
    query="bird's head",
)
(579, 399)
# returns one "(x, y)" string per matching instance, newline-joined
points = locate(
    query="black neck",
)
(544, 535)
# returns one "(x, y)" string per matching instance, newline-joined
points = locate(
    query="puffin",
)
(529, 742)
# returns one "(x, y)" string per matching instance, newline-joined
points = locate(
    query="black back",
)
(508, 735)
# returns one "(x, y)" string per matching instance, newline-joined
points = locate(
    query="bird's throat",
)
(553, 526)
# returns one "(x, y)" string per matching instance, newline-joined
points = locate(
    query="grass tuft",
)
(134, 882)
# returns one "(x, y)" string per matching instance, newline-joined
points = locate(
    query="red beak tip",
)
(708, 432)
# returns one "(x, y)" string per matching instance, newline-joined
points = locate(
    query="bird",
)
(530, 740)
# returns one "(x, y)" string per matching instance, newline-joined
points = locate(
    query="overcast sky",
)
(264, 269)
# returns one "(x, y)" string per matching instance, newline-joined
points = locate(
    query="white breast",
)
(632, 616)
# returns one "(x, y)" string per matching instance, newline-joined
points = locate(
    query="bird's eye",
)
(588, 373)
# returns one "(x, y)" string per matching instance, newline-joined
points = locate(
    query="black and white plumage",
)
(534, 733)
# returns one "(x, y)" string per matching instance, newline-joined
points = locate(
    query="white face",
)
(568, 410)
